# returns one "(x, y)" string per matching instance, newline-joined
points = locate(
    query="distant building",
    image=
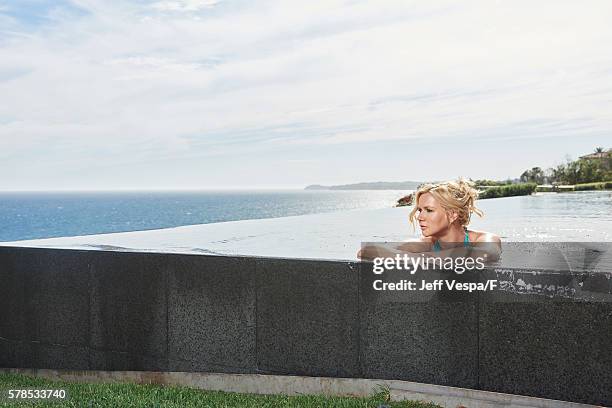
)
(601, 155)
(604, 158)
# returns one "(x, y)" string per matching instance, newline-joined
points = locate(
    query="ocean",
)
(34, 215)
(544, 216)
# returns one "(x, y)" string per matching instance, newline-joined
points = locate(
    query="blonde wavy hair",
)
(456, 196)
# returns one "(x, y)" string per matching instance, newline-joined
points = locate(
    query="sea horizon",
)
(48, 214)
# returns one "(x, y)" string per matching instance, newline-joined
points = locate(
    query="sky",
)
(190, 94)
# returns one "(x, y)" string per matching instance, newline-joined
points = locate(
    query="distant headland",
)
(376, 185)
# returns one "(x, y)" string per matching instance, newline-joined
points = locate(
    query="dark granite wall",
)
(96, 310)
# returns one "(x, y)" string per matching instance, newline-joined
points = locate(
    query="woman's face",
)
(431, 216)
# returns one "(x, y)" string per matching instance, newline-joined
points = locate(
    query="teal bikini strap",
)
(436, 246)
(466, 240)
(466, 243)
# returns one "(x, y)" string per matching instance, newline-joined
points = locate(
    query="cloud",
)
(191, 79)
(184, 5)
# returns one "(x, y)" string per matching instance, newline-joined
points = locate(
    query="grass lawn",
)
(135, 395)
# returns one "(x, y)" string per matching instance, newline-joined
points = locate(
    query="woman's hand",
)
(370, 252)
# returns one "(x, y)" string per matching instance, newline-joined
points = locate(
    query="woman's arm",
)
(488, 244)
(369, 252)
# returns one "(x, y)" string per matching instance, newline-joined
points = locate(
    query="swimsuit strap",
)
(466, 243)
(436, 246)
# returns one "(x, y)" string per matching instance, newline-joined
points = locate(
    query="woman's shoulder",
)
(483, 236)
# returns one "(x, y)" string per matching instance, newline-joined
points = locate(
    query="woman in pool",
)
(443, 212)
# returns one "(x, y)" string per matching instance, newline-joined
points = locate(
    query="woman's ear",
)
(452, 216)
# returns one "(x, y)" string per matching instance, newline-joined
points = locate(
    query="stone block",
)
(307, 318)
(559, 350)
(211, 314)
(56, 307)
(129, 303)
(428, 336)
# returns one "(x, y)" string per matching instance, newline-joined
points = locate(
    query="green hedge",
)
(528, 188)
(603, 185)
(509, 190)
